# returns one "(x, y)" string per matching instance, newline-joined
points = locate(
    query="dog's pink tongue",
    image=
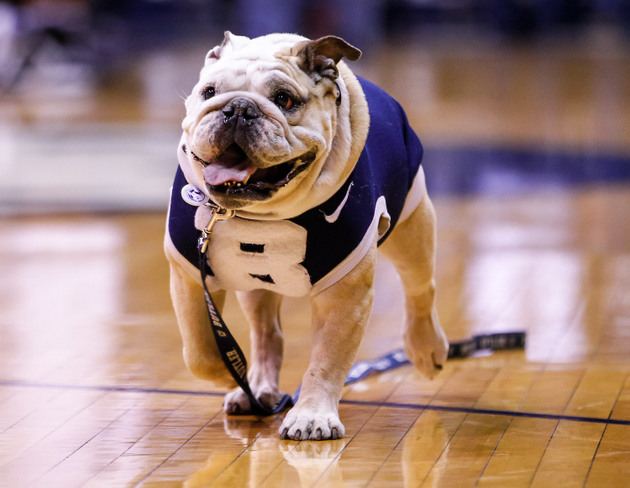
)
(218, 173)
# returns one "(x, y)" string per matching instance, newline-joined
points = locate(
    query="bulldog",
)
(318, 168)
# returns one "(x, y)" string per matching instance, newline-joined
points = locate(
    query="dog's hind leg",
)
(262, 310)
(411, 247)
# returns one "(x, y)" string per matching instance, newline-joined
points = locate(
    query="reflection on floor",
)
(93, 389)
(97, 393)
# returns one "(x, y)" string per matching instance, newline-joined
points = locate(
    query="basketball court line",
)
(378, 404)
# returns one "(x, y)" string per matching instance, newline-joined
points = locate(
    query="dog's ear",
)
(319, 58)
(229, 41)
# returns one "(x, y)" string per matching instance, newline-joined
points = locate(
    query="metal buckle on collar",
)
(216, 213)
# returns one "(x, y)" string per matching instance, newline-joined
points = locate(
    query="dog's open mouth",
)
(233, 173)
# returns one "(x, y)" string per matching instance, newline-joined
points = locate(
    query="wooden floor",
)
(94, 392)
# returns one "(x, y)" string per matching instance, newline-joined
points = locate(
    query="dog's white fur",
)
(339, 133)
(242, 67)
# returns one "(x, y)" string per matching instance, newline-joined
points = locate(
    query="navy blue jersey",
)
(309, 252)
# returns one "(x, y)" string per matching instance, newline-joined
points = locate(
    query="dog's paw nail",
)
(437, 365)
(334, 433)
(232, 408)
(298, 435)
(284, 434)
(318, 434)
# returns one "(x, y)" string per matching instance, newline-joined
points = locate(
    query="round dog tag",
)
(194, 196)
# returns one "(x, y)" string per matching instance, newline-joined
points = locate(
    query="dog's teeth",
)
(231, 184)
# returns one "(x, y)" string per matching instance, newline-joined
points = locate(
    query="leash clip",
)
(216, 213)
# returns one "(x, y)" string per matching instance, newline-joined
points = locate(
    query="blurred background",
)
(524, 110)
(505, 94)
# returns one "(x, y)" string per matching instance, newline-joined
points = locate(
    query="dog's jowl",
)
(319, 168)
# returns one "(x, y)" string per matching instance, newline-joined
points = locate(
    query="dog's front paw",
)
(302, 424)
(426, 346)
(237, 402)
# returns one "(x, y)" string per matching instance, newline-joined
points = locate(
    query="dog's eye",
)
(208, 92)
(283, 100)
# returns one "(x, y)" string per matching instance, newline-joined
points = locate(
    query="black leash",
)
(231, 353)
(487, 342)
(456, 350)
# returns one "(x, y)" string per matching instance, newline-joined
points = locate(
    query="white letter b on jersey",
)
(249, 255)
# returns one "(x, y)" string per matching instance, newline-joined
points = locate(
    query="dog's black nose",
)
(241, 110)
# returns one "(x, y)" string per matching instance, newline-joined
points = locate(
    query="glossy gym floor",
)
(528, 163)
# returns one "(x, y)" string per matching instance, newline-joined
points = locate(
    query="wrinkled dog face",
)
(263, 116)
